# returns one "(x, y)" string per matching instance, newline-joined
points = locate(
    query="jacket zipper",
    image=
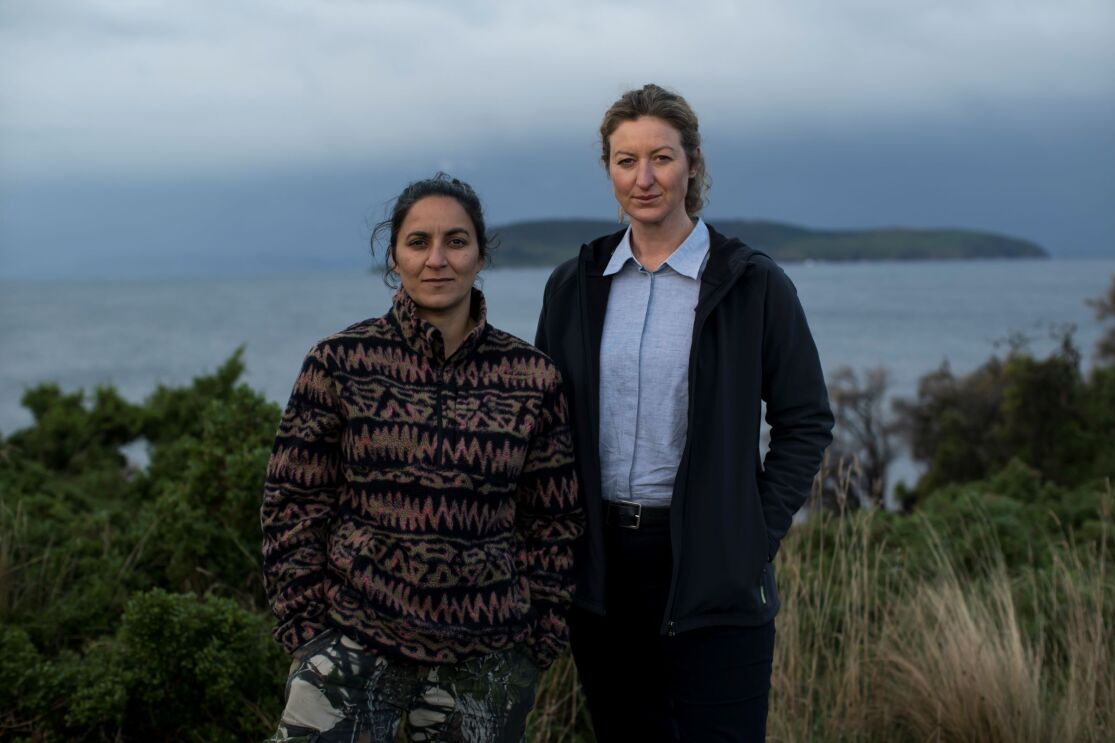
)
(698, 326)
(594, 376)
(440, 437)
(592, 362)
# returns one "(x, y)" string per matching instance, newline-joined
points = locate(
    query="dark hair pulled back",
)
(441, 184)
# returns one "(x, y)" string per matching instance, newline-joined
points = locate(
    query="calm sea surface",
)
(907, 316)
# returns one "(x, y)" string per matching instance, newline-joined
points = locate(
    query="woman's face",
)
(649, 170)
(437, 255)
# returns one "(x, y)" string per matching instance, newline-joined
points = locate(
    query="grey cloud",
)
(154, 136)
(108, 85)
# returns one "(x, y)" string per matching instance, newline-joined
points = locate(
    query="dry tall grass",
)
(869, 653)
(831, 607)
(956, 666)
(559, 713)
(1085, 699)
(870, 650)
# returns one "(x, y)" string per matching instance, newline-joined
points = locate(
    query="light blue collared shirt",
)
(644, 369)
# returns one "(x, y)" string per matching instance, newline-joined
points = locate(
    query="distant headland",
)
(549, 242)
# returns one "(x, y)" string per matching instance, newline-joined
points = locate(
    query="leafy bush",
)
(67, 437)
(204, 516)
(1043, 412)
(185, 669)
(63, 553)
(91, 551)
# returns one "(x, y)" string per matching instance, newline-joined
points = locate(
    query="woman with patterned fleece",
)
(421, 505)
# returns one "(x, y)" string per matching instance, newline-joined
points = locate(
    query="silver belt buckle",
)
(638, 513)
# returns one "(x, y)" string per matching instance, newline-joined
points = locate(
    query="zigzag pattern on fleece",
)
(443, 514)
(440, 644)
(427, 504)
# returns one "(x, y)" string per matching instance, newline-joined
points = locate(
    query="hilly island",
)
(549, 242)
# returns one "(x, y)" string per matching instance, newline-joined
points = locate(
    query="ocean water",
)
(909, 317)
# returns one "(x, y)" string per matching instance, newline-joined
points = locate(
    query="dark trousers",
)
(709, 684)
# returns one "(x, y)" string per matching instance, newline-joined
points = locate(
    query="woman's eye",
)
(626, 162)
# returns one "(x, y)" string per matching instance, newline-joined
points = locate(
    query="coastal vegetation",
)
(549, 242)
(981, 609)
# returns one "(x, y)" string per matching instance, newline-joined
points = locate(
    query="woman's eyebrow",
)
(450, 231)
(669, 147)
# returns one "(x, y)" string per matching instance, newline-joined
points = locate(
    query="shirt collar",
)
(688, 259)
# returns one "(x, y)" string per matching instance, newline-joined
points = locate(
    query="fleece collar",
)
(424, 337)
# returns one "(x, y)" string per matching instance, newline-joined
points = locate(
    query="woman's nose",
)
(436, 257)
(644, 176)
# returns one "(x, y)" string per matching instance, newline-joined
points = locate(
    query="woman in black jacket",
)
(669, 336)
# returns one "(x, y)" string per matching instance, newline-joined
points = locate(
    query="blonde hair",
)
(653, 100)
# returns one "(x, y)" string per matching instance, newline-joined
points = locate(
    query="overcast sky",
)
(145, 137)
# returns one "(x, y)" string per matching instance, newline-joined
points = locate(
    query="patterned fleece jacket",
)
(425, 506)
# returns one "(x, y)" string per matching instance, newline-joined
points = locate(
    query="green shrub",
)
(204, 492)
(68, 437)
(1042, 412)
(172, 412)
(184, 669)
(178, 668)
(64, 554)
(92, 644)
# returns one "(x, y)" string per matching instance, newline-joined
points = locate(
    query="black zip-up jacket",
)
(729, 510)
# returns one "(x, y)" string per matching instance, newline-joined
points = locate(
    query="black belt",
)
(631, 515)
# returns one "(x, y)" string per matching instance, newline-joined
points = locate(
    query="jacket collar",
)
(727, 256)
(424, 337)
(596, 254)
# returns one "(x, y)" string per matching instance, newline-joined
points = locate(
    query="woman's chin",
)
(654, 215)
(438, 301)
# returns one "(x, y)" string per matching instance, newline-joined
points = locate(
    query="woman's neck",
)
(653, 243)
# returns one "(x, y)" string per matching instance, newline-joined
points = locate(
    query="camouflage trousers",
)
(337, 691)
